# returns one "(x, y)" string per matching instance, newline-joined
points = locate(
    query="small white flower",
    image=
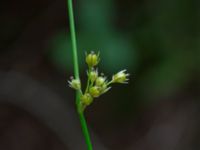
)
(75, 83)
(120, 77)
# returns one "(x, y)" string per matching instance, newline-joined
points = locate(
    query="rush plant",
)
(97, 84)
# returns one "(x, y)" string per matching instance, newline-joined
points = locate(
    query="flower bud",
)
(93, 75)
(120, 77)
(100, 81)
(92, 59)
(75, 84)
(86, 99)
(95, 91)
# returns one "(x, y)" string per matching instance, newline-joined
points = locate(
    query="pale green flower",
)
(100, 81)
(95, 91)
(120, 77)
(92, 59)
(86, 99)
(93, 75)
(75, 84)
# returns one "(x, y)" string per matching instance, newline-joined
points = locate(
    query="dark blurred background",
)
(157, 41)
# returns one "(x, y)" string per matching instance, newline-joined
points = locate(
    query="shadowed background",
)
(158, 42)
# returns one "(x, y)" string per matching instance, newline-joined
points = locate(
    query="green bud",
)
(92, 59)
(86, 99)
(100, 81)
(95, 91)
(93, 75)
(75, 84)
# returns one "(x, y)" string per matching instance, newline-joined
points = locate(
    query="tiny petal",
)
(105, 89)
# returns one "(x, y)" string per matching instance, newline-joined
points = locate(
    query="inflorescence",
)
(97, 84)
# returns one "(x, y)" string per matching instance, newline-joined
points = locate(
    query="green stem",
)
(85, 131)
(73, 38)
(88, 81)
(76, 74)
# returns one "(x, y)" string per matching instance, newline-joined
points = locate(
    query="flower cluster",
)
(97, 84)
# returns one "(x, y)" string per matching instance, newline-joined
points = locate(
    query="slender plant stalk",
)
(88, 81)
(76, 74)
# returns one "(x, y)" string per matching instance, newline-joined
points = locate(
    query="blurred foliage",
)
(168, 43)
